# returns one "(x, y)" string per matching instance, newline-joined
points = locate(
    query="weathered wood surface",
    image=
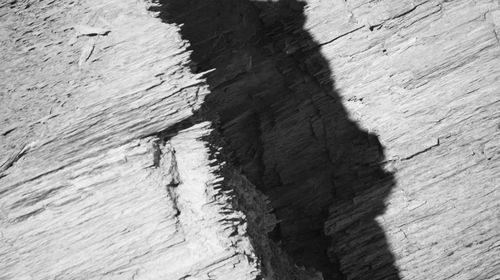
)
(91, 193)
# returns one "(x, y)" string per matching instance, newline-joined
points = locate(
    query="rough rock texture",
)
(371, 127)
(93, 187)
(425, 78)
(419, 78)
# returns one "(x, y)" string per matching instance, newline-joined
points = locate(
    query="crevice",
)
(422, 151)
(407, 11)
(425, 150)
(346, 33)
(281, 122)
(172, 177)
(13, 158)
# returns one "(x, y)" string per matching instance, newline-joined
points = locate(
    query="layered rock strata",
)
(91, 187)
(136, 148)
(339, 109)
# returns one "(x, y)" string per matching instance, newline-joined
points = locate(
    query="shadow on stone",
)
(282, 118)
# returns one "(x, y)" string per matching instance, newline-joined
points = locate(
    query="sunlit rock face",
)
(239, 139)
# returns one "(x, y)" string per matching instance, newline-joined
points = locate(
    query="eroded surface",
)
(393, 105)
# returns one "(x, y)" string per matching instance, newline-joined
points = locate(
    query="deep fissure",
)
(283, 122)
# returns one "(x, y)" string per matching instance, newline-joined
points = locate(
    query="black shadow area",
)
(282, 118)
